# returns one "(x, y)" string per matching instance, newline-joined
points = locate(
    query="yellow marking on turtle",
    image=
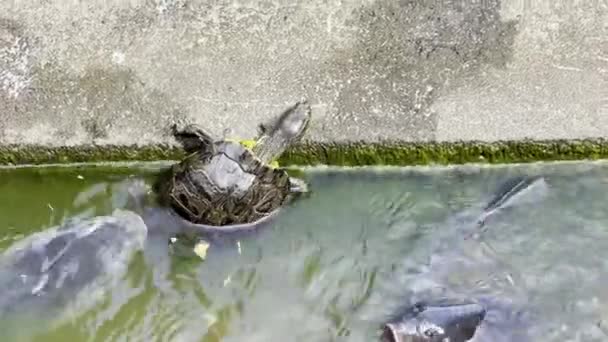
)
(250, 144)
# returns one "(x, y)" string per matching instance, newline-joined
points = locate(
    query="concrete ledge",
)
(391, 82)
(350, 154)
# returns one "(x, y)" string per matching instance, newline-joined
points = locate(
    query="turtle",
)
(223, 184)
(66, 269)
(440, 312)
(435, 322)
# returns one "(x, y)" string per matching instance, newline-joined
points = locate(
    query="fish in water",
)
(455, 317)
(67, 268)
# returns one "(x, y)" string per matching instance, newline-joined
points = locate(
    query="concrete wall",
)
(119, 72)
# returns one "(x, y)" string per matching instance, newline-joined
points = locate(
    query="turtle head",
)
(278, 134)
(434, 323)
(292, 123)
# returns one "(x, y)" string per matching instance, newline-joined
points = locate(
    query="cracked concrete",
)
(120, 72)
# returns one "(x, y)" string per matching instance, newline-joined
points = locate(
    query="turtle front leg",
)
(192, 138)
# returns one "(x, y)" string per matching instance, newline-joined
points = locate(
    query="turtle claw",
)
(263, 128)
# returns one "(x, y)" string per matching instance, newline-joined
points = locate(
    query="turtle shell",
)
(225, 187)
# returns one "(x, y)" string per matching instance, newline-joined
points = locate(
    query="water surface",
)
(336, 263)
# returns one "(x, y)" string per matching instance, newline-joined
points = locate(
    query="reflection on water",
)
(337, 263)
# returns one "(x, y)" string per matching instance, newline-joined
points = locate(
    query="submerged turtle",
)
(435, 322)
(222, 183)
(442, 313)
(66, 269)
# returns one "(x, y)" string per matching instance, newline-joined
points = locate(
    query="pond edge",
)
(333, 154)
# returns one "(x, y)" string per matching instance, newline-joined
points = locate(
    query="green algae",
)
(338, 154)
(425, 153)
(38, 154)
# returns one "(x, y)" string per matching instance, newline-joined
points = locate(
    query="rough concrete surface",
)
(120, 72)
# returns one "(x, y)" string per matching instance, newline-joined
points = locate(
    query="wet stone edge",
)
(335, 154)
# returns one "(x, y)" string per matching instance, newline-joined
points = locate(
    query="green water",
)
(333, 265)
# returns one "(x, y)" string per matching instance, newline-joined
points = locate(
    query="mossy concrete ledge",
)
(336, 154)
